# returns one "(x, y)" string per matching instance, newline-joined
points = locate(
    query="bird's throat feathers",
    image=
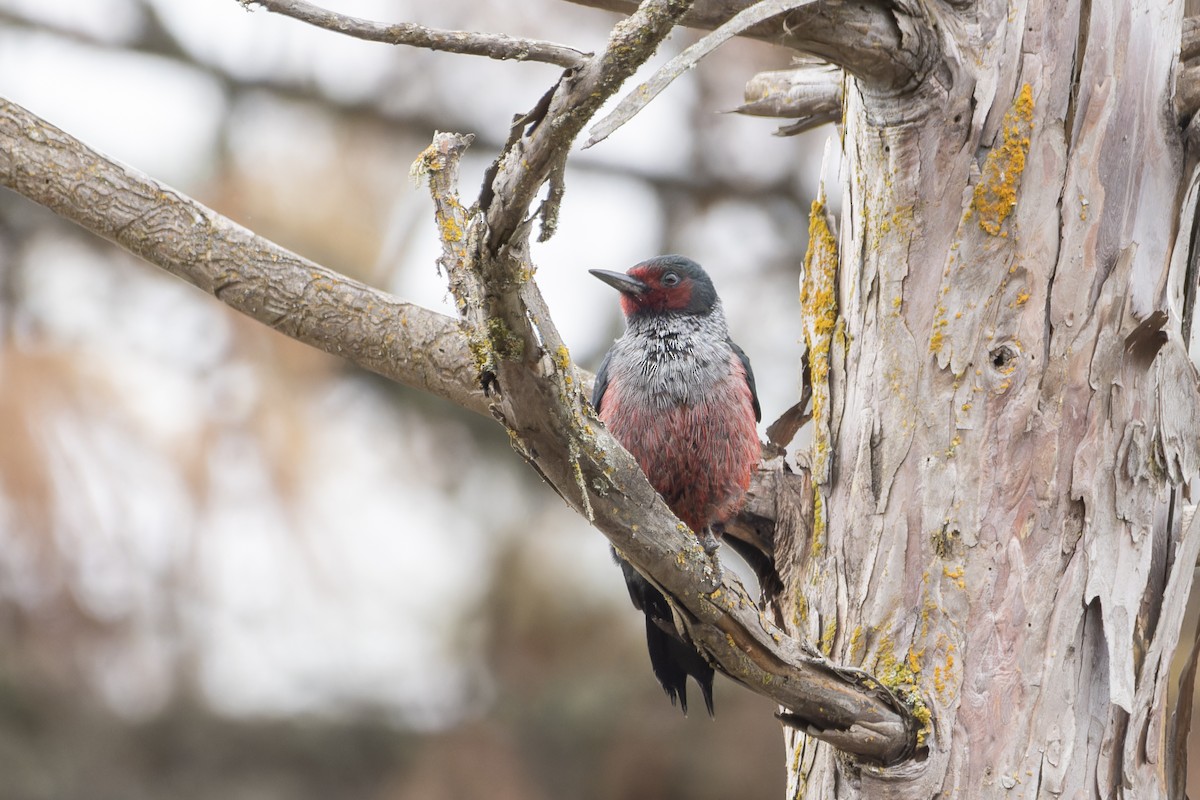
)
(672, 358)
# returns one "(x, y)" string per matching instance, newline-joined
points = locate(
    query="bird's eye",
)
(670, 279)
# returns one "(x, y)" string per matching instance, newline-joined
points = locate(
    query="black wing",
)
(602, 381)
(749, 378)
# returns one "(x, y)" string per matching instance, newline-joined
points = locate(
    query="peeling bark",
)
(810, 92)
(1014, 415)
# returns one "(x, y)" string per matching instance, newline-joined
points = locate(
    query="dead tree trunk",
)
(1005, 412)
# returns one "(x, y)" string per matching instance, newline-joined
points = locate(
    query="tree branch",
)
(812, 93)
(491, 45)
(533, 156)
(640, 97)
(889, 45)
(300, 299)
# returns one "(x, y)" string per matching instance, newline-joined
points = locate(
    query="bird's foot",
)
(708, 540)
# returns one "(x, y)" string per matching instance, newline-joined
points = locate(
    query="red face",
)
(668, 289)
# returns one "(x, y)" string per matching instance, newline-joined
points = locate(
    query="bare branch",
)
(640, 97)
(889, 46)
(532, 158)
(296, 297)
(704, 14)
(811, 92)
(491, 45)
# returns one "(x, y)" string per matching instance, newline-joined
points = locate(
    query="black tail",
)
(672, 657)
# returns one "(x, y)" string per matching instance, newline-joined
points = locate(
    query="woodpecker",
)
(679, 395)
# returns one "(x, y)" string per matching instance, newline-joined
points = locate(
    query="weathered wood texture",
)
(1012, 414)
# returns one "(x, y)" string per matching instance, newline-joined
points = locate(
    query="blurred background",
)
(235, 567)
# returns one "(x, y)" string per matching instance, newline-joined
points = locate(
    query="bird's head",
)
(663, 285)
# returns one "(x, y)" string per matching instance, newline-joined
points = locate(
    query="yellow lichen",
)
(954, 443)
(450, 230)
(943, 674)
(935, 341)
(800, 620)
(818, 524)
(955, 574)
(856, 642)
(996, 193)
(827, 637)
(819, 310)
(901, 676)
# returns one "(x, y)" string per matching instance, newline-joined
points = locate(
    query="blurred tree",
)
(990, 525)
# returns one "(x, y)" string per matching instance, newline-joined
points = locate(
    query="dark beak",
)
(621, 282)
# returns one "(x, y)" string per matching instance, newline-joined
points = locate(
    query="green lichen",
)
(504, 343)
(944, 539)
(495, 343)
